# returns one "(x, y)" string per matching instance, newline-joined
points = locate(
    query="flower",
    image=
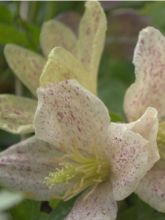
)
(77, 149)
(148, 90)
(16, 113)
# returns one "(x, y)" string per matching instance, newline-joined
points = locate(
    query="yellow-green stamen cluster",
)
(161, 139)
(83, 170)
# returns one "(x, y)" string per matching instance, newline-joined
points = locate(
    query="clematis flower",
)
(148, 90)
(78, 150)
(16, 113)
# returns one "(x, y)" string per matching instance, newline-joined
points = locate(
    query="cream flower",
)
(16, 114)
(148, 90)
(77, 149)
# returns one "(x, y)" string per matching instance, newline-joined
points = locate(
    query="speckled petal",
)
(99, 205)
(147, 126)
(26, 64)
(92, 37)
(56, 34)
(16, 114)
(69, 116)
(149, 86)
(132, 153)
(24, 166)
(152, 187)
(62, 65)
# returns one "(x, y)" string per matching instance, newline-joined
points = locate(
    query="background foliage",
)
(20, 23)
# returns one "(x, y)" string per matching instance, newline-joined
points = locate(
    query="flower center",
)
(161, 139)
(83, 170)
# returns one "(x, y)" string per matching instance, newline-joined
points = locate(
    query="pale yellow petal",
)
(92, 37)
(98, 205)
(152, 187)
(133, 151)
(24, 166)
(16, 114)
(70, 116)
(149, 86)
(62, 65)
(26, 64)
(56, 34)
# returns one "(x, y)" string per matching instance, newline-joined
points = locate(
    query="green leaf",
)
(156, 11)
(33, 34)
(5, 14)
(114, 78)
(62, 210)
(116, 117)
(138, 210)
(28, 210)
(112, 93)
(54, 203)
(8, 139)
(10, 34)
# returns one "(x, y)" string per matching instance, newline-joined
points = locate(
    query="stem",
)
(24, 9)
(23, 13)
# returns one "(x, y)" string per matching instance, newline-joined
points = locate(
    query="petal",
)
(70, 116)
(149, 86)
(55, 33)
(152, 187)
(92, 37)
(26, 64)
(62, 65)
(132, 154)
(24, 166)
(147, 126)
(98, 205)
(16, 114)
(128, 160)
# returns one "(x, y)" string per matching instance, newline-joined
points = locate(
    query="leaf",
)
(62, 210)
(33, 34)
(116, 117)
(112, 92)
(138, 210)
(155, 10)
(28, 210)
(115, 76)
(5, 14)
(9, 33)
(8, 139)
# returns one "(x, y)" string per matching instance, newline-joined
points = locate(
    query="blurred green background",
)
(20, 23)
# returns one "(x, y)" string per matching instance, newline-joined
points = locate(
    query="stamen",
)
(83, 170)
(61, 175)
